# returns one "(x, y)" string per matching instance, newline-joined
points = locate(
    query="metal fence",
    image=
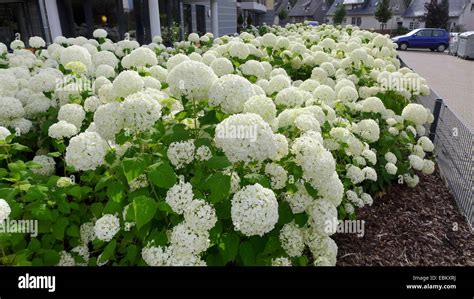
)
(454, 143)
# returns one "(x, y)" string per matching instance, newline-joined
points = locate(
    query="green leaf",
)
(108, 252)
(59, 227)
(301, 219)
(162, 175)
(145, 209)
(219, 184)
(247, 253)
(115, 191)
(50, 257)
(255, 178)
(218, 162)
(285, 214)
(164, 207)
(230, 242)
(132, 168)
(132, 251)
(75, 192)
(102, 183)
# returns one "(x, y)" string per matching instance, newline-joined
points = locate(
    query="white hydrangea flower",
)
(230, 92)
(245, 137)
(200, 215)
(86, 151)
(291, 97)
(239, 50)
(416, 162)
(109, 120)
(254, 210)
(281, 262)
(278, 175)
(5, 210)
(428, 167)
(391, 168)
(426, 144)
(222, 66)
(191, 79)
(48, 165)
(203, 153)
(323, 216)
(73, 114)
(66, 260)
(370, 173)
(415, 113)
(186, 240)
(179, 197)
(106, 227)
(141, 111)
(181, 153)
(390, 157)
(62, 129)
(261, 105)
(355, 174)
(126, 83)
(10, 108)
(368, 129)
(291, 239)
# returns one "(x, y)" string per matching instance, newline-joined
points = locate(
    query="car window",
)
(438, 33)
(424, 33)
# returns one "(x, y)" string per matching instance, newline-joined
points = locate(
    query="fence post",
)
(436, 113)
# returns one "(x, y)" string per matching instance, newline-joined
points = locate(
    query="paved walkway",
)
(450, 77)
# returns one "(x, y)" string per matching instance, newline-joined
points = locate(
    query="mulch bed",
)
(410, 227)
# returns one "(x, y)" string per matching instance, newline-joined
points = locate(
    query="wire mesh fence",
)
(454, 143)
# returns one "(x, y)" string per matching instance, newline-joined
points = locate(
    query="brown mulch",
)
(410, 227)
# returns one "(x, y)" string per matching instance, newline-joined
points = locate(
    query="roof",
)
(278, 5)
(368, 7)
(304, 8)
(417, 8)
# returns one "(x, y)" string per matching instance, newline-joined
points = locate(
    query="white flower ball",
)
(48, 165)
(126, 83)
(246, 137)
(191, 79)
(86, 151)
(5, 210)
(73, 114)
(62, 129)
(254, 210)
(107, 227)
(230, 92)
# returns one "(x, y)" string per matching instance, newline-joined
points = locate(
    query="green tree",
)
(437, 14)
(339, 14)
(383, 12)
(283, 14)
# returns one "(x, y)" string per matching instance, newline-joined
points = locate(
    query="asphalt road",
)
(450, 77)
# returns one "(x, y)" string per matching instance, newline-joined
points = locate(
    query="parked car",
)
(431, 38)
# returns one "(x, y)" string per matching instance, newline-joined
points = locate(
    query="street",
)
(450, 77)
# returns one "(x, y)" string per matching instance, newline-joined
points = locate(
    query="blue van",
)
(431, 38)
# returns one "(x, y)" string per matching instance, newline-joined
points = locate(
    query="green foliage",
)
(383, 12)
(339, 14)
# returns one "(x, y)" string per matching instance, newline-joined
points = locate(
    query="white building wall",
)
(370, 22)
(467, 18)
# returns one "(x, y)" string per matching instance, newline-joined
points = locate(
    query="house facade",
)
(461, 15)
(141, 19)
(361, 13)
(308, 10)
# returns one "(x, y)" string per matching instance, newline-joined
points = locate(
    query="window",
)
(424, 33)
(354, 19)
(437, 33)
(359, 21)
(414, 25)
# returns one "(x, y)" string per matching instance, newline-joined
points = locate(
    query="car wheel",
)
(403, 46)
(441, 48)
